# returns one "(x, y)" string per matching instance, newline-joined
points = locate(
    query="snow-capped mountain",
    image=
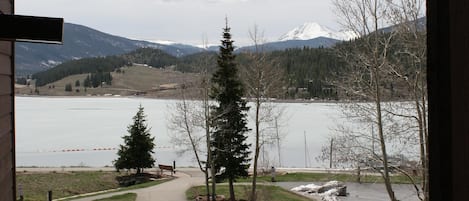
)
(311, 30)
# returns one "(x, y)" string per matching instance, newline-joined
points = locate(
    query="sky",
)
(186, 21)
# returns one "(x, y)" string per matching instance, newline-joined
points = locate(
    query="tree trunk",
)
(387, 180)
(422, 149)
(256, 154)
(207, 187)
(214, 194)
(232, 193)
(207, 137)
(419, 101)
(359, 174)
(426, 175)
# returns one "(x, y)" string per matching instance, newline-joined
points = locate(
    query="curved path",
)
(174, 190)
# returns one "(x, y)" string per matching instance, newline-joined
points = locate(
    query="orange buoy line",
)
(92, 149)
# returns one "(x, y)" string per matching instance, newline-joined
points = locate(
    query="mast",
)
(306, 151)
(372, 139)
(278, 144)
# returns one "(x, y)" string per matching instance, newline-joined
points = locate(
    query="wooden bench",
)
(166, 167)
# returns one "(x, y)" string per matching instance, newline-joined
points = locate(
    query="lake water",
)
(62, 131)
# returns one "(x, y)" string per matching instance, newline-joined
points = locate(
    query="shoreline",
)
(174, 98)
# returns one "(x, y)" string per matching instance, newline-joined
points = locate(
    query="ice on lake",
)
(68, 131)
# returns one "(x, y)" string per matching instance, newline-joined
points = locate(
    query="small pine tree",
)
(87, 82)
(77, 83)
(68, 87)
(137, 151)
(229, 147)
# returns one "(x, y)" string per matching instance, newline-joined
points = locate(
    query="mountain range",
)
(83, 42)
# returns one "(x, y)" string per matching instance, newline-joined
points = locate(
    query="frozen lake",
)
(62, 131)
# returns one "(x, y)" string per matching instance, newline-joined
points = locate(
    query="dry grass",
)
(63, 184)
(153, 81)
(35, 185)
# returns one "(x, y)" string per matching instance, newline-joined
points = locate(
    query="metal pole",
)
(330, 153)
(278, 144)
(306, 165)
(372, 139)
(263, 152)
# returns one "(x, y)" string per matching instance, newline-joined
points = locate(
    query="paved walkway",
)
(173, 190)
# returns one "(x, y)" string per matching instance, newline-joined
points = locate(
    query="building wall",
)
(7, 148)
(448, 91)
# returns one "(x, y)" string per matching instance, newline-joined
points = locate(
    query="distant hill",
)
(84, 42)
(148, 56)
(303, 66)
(138, 80)
(81, 42)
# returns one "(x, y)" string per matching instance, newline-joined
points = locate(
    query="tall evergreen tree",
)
(229, 148)
(137, 151)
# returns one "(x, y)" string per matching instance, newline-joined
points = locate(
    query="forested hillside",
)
(81, 66)
(309, 72)
(307, 69)
(149, 56)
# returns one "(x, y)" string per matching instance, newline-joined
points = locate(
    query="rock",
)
(330, 185)
(342, 191)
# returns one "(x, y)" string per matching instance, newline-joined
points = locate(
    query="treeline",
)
(309, 70)
(152, 57)
(149, 56)
(97, 79)
(81, 66)
(198, 62)
(91, 81)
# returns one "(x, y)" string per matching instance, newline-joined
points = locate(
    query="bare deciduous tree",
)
(190, 122)
(379, 63)
(409, 68)
(263, 80)
(366, 59)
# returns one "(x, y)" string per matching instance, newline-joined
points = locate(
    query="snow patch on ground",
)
(328, 192)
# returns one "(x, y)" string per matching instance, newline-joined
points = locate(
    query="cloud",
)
(183, 20)
(226, 1)
(204, 1)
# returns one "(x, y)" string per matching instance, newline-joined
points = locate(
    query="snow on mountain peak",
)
(312, 30)
(163, 42)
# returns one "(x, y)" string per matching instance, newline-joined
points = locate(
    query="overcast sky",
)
(185, 21)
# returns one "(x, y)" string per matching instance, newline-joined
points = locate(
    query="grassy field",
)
(155, 82)
(265, 193)
(324, 177)
(124, 197)
(64, 184)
